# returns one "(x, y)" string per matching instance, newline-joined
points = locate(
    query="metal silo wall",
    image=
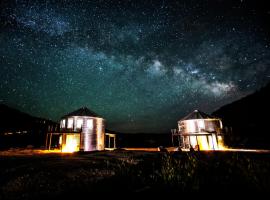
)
(92, 139)
(86, 137)
(192, 126)
(212, 125)
(100, 130)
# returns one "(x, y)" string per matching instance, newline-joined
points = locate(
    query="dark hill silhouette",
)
(124, 139)
(13, 119)
(248, 119)
(19, 129)
(143, 139)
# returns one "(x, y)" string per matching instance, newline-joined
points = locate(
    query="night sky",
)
(142, 65)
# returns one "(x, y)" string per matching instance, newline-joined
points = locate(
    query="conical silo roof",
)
(197, 114)
(84, 111)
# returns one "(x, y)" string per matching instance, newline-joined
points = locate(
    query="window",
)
(79, 123)
(63, 123)
(200, 124)
(89, 123)
(70, 123)
(191, 126)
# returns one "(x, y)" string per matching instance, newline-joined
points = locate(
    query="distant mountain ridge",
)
(249, 118)
(21, 129)
(14, 119)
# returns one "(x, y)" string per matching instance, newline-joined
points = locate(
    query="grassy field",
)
(35, 175)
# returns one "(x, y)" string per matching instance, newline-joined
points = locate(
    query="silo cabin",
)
(200, 131)
(82, 130)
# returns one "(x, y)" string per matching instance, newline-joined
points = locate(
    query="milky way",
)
(142, 65)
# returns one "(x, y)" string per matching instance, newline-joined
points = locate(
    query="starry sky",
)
(142, 65)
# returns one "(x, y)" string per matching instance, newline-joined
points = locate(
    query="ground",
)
(35, 174)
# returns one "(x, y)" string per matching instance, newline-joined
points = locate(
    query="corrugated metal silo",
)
(82, 130)
(199, 130)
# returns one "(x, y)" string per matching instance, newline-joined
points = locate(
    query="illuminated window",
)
(60, 140)
(215, 145)
(63, 123)
(70, 123)
(203, 143)
(191, 126)
(193, 141)
(201, 124)
(89, 123)
(79, 123)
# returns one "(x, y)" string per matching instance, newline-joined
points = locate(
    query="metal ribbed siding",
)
(92, 139)
(194, 131)
(208, 125)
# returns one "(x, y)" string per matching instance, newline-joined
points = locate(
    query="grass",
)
(43, 176)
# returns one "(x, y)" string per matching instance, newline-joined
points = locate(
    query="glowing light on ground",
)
(223, 148)
(31, 152)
